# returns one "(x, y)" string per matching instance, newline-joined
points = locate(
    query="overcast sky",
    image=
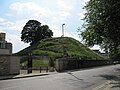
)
(15, 13)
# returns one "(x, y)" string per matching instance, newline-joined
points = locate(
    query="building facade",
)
(5, 47)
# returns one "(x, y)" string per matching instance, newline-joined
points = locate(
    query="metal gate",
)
(34, 63)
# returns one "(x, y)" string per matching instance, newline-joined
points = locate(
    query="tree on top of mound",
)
(33, 32)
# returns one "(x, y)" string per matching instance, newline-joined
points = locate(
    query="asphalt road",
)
(76, 80)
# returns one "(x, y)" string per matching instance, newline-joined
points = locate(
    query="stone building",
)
(9, 63)
(5, 47)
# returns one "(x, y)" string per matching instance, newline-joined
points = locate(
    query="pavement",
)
(22, 76)
(25, 75)
(113, 84)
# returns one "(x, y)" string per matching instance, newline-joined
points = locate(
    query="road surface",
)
(89, 79)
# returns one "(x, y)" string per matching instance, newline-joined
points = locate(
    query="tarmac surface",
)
(101, 78)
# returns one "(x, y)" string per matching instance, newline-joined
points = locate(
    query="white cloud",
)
(73, 35)
(18, 25)
(66, 7)
(16, 42)
(4, 22)
(82, 12)
(58, 32)
(9, 25)
(64, 13)
(30, 9)
(81, 15)
(34, 10)
(8, 14)
(1, 30)
(84, 2)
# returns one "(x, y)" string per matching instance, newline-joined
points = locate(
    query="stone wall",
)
(4, 51)
(4, 65)
(9, 64)
(62, 64)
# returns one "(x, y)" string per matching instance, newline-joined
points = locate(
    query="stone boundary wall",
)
(9, 64)
(4, 65)
(63, 64)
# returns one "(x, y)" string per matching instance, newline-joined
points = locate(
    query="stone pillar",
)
(14, 65)
(9, 64)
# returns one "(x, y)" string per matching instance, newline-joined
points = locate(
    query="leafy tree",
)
(102, 24)
(33, 32)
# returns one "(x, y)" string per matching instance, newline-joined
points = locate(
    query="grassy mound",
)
(57, 47)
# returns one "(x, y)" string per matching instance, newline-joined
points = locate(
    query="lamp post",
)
(63, 30)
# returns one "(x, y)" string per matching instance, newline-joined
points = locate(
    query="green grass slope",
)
(54, 47)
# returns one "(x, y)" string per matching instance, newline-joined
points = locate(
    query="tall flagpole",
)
(63, 30)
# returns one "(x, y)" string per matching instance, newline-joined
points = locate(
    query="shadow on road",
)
(115, 80)
(74, 76)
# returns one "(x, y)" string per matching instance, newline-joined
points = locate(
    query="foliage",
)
(102, 24)
(43, 63)
(38, 63)
(33, 32)
(54, 47)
